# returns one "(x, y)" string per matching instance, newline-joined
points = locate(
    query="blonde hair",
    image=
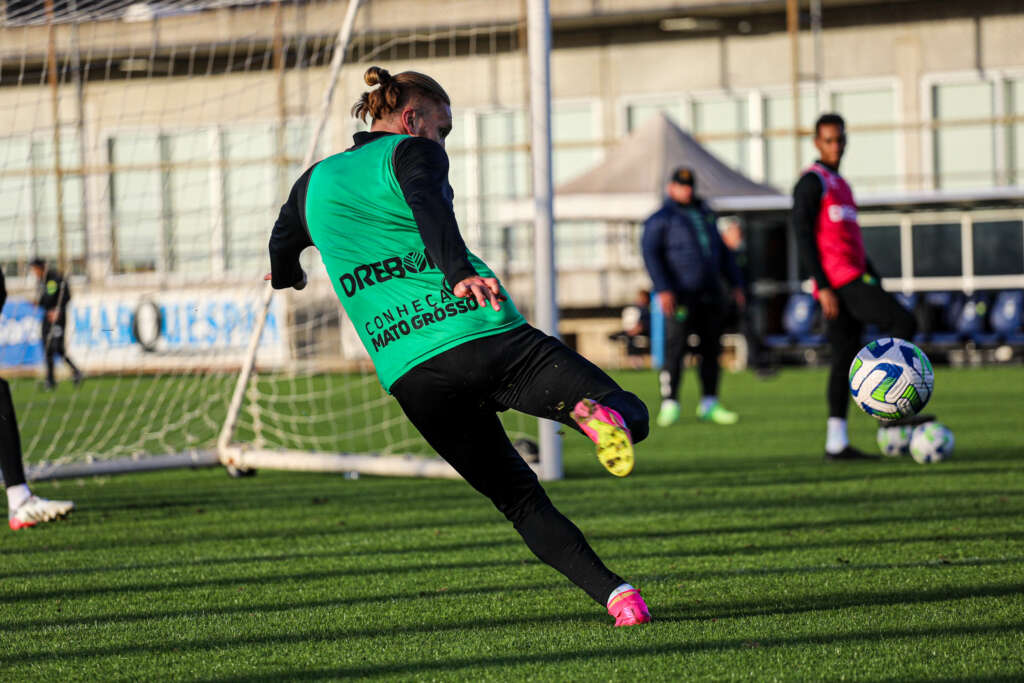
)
(395, 92)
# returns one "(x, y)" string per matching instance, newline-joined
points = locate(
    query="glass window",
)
(297, 135)
(460, 151)
(963, 152)
(937, 249)
(16, 247)
(45, 219)
(504, 160)
(189, 203)
(999, 248)
(136, 201)
(575, 143)
(725, 120)
(870, 162)
(251, 194)
(780, 165)
(1015, 130)
(638, 113)
(882, 243)
(580, 245)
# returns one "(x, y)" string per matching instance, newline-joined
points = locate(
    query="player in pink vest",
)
(845, 283)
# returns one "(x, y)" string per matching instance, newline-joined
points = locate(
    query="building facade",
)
(147, 146)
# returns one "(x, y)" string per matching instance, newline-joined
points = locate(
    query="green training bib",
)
(390, 288)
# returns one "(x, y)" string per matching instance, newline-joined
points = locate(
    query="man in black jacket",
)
(23, 508)
(54, 294)
(686, 259)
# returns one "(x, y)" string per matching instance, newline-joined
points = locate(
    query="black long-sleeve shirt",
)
(54, 293)
(421, 169)
(807, 195)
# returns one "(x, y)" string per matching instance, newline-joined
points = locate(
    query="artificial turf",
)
(758, 560)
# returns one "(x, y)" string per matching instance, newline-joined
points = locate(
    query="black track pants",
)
(704, 316)
(860, 304)
(453, 399)
(10, 441)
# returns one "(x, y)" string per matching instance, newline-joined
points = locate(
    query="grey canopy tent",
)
(631, 179)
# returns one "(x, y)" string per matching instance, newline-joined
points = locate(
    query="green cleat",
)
(717, 414)
(668, 414)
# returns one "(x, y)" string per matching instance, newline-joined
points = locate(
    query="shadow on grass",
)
(512, 540)
(709, 609)
(291, 534)
(64, 592)
(449, 665)
(236, 580)
(625, 652)
(836, 601)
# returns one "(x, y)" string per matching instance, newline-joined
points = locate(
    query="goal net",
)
(145, 152)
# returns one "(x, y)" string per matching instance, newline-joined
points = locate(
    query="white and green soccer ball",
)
(931, 442)
(891, 379)
(894, 440)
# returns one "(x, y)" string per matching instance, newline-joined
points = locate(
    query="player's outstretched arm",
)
(288, 239)
(421, 169)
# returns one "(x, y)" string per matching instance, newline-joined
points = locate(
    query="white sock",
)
(619, 591)
(16, 495)
(837, 439)
(707, 403)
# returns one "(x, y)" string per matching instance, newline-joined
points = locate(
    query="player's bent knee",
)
(633, 411)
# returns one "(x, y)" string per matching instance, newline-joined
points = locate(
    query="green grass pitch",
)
(759, 562)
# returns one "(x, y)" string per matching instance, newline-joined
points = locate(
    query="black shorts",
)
(453, 400)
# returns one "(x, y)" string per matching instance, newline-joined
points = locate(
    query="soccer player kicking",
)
(23, 508)
(846, 284)
(444, 337)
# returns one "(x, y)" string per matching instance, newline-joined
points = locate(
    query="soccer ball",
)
(891, 379)
(931, 442)
(894, 440)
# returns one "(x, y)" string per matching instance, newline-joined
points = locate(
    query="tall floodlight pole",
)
(538, 30)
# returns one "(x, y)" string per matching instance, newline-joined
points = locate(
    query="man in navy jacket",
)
(687, 259)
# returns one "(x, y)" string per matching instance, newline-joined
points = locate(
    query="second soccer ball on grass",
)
(894, 440)
(931, 443)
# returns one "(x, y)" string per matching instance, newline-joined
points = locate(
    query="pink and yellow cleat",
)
(629, 609)
(608, 430)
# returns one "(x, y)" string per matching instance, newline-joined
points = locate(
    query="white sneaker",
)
(36, 509)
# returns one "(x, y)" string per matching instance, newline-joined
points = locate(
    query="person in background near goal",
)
(445, 339)
(54, 294)
(686, 259)
(845, 283)
(23, 508)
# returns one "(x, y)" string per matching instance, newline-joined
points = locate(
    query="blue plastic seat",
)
(908, 301)
(949, 306)
(1007, 317)
(970, 323)
(798, 319)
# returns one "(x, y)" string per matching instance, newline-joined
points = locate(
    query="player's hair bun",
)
(375, 75)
